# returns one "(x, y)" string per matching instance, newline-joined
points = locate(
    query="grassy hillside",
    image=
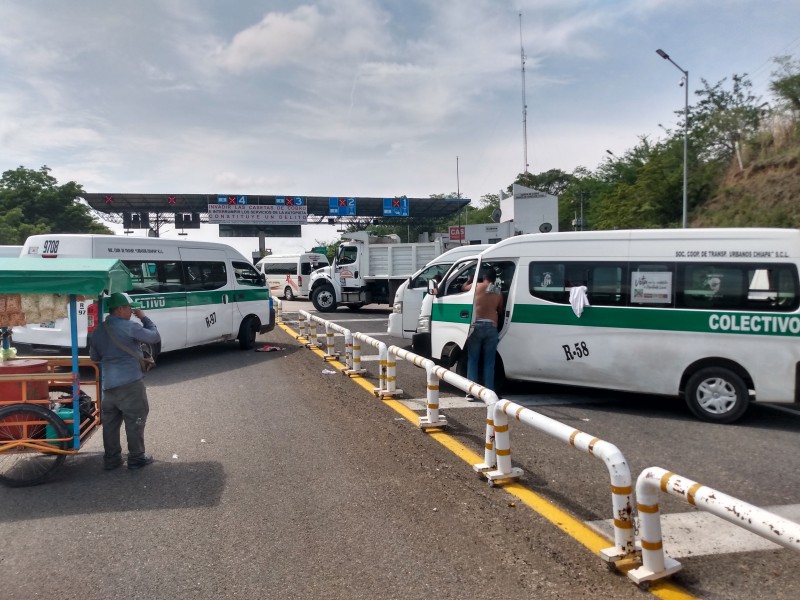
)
(765, 192)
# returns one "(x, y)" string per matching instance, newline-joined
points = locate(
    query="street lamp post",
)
(685, 84)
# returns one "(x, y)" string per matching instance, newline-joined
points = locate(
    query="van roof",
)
(515, 244)
(454, 253)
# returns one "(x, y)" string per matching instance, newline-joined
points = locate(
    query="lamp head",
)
(662, 54)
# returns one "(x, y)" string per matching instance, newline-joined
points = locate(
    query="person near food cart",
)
(482, 342)
(116, 346)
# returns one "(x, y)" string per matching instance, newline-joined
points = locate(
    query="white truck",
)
(368, 269)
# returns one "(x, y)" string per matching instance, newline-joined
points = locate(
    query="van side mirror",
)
(432, 287)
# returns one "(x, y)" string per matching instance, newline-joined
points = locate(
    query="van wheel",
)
(153, 349)
(324, 298)
(717, 394)
(288, 294)
(247, 333)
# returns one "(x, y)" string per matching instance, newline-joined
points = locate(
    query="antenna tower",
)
(524, 103)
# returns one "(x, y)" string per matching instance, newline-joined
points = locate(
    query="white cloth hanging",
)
(578, 299)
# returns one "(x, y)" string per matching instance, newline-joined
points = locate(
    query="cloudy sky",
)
(356, 97)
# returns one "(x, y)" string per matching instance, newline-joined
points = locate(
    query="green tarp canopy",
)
(80, 276)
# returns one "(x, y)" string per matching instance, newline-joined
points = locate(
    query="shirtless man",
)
(488, 311)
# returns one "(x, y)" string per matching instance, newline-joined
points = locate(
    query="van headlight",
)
(397, 307)
(424, 324)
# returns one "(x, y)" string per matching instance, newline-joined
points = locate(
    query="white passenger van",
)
(288, 275)
(408, 298)
(709, 314)
(195, 292)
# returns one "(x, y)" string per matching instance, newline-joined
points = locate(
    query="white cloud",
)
(278, 40)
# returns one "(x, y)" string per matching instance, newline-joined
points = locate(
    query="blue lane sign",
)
(395, 207)
(290, 200)
(342, 207)
(230, 199)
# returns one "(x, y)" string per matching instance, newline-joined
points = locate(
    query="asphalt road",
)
(274, 478)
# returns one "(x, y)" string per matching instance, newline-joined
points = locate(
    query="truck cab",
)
(368, 269)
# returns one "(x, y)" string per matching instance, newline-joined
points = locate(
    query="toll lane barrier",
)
(649, 553)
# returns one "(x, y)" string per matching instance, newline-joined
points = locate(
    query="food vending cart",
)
(46, 412)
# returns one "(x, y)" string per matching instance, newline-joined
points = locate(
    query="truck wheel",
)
(324, 298)
(288, 294)
(717, 395)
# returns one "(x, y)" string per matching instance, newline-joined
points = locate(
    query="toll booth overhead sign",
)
(342, 207)
(395, 207)
(257, 214)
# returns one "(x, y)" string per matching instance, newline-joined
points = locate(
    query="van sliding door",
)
(209, 301)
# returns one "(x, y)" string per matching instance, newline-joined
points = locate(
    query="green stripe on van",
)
(451, 313)
(202, 298)
(660, 319)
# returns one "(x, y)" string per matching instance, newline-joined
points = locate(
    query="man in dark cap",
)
(116, 346)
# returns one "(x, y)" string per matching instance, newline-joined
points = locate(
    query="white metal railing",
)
(497, 459)
(655, 565)
(618, 469)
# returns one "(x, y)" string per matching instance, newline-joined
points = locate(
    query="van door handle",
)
(224, 298)
(464, 314)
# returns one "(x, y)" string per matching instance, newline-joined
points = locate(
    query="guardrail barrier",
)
(655, 565)
(497, 465)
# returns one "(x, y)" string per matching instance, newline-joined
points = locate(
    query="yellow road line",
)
(579, 531)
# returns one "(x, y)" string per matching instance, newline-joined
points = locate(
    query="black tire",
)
(23, 467)
(288, 294)
(324, 298)
(153, 349)
(421, 344)
(247, 333)
(717, 395)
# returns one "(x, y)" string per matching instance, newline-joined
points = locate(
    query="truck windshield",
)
(347, 255)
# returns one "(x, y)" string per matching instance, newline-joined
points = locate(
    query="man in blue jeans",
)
(115, 345)
(488, 311)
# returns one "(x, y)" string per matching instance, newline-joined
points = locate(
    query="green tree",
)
(552, 182)
(722, 117)
(786, 85)
(32, 202)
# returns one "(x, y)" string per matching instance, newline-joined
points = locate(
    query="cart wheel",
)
(21, 466)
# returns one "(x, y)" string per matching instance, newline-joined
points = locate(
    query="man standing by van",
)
(488, 311)
(115, 345)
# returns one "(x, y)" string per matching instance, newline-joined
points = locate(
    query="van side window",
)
(458, 277)
(546, 281)
(421, 280)
(763, 287)
(305, 268)
(652, 284)
(246, 274)
(154, 277)
(204, 275)
(605, 282)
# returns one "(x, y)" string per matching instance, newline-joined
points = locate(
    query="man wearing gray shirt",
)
(115, 345)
